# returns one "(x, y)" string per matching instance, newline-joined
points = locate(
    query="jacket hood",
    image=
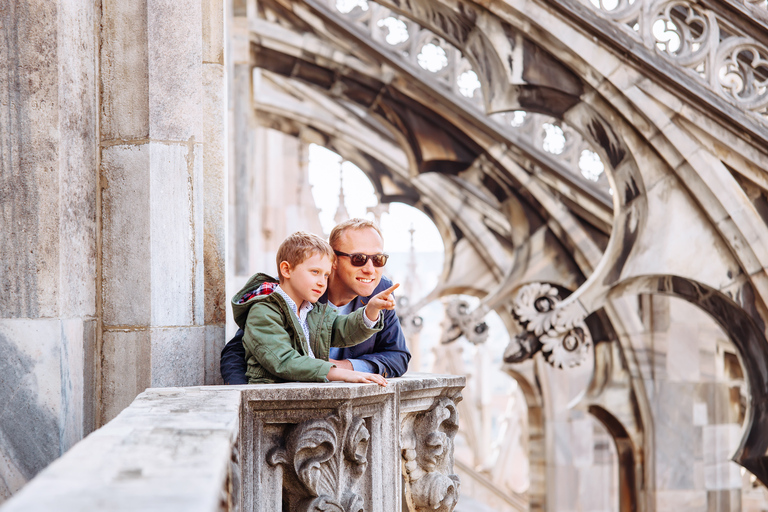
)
(240, 307)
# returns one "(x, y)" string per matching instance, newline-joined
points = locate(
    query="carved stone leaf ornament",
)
(324, 458)
(427, 444)
(561, 331)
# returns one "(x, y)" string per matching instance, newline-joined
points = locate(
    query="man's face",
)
(348, 279)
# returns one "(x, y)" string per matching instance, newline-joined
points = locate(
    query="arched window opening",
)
(492, 445)
(342, 190)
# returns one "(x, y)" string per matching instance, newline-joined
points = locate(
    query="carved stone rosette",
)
(323, 459)
(427, 454)
(461, 320)
(559, 332)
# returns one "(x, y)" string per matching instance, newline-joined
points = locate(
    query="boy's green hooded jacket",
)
(275, 346)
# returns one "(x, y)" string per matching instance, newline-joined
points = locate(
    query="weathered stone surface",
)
(163, 185)
(227, 447)
(215, 339)
(31, 395)
(176, 234)
(126, 369)
(126, 216)
(170, 450)
(178, 354)
(29, 142)
(78, 157)
(124, 71)
(175, 78)
(46, 392)
(215, 190)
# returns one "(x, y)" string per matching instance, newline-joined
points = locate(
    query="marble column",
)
(48, 182)
(153, 128)
(215, 184)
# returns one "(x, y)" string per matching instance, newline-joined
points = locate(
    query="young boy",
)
(287, 333)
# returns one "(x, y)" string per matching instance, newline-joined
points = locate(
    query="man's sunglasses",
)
(359, 259)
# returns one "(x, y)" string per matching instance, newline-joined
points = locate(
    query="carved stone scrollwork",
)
(461, 320)
(427, 444)
(323, 459)
(559, 332)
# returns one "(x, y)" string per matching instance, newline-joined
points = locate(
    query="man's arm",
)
(233, 365)
(386, 353)
(389, 353)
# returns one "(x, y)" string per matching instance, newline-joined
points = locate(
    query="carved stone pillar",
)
(323, 459)
(346, 447)
(308, 447)
(427, 448)
(429, 422)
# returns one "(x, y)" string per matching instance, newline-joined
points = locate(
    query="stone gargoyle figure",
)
(427, 449)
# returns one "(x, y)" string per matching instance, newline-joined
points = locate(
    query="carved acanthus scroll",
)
(323, 460)
(427, 444)
(559, 332)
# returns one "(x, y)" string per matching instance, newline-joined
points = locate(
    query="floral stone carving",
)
(427, 450)
(461, 320)
(323, 459)
(559, 332)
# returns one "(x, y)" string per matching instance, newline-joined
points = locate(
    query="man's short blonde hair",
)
(299, 247)
(352, 224)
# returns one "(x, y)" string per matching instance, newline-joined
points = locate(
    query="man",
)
(355, 277)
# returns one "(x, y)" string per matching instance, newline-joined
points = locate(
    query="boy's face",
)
(307, 280)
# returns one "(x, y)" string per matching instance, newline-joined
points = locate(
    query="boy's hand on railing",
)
(382, 300)
(340, 374)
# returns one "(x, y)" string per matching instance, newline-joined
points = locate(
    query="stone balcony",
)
(294, 446)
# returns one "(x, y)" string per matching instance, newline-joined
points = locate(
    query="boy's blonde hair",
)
(356, 223)
(299, 247)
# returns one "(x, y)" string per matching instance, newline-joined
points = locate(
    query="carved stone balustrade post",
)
(349, 447)
(429, 422)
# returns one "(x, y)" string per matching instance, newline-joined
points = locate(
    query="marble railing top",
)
(172, 448)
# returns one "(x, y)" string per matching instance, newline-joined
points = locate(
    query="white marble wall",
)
(697, 430)
(112, 124)
(162, 176)
(48, 238)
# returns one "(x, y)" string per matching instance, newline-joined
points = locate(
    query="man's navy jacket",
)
(386, 349)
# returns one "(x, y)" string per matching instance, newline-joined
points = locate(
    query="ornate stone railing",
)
(295, 446)
(440, 63)
(726, 49)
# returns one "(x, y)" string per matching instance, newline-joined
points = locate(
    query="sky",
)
(325, 167)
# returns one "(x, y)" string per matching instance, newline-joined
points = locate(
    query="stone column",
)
(152, 178)
(48, 182)
(244, 212)
(215, 185)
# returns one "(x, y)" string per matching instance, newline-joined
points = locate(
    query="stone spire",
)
(341, 211)
(377, 212)
(412, 278)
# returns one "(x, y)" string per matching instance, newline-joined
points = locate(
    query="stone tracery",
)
(732, 62)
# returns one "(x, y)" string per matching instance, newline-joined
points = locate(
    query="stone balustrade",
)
(294, 446)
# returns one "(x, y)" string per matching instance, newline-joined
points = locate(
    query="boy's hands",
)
(382, 300)
(340, 374)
